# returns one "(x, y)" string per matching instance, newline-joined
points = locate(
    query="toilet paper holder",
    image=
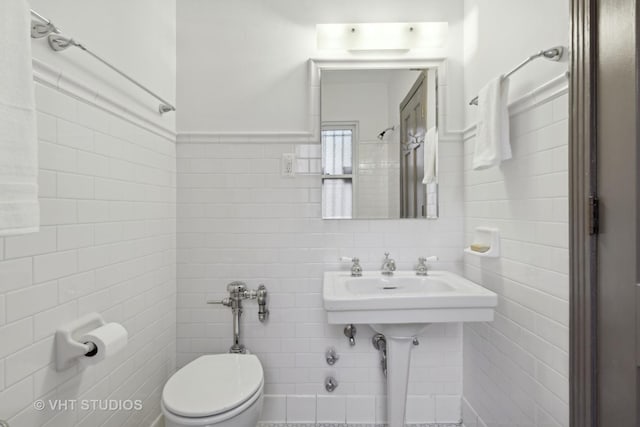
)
(68, 348)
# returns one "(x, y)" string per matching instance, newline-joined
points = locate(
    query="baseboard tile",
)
(351, 425)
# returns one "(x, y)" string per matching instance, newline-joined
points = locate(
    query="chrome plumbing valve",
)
(330, 384)
(263, 311)
(237, 292)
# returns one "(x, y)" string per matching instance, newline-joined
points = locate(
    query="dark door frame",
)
(582, 198)
(604, 240)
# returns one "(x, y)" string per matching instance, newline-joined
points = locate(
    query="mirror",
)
(379, 144)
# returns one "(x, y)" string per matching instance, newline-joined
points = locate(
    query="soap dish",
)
(485, 237)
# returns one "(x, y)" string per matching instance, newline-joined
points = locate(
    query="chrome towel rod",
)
(553, 54)
(58, 42)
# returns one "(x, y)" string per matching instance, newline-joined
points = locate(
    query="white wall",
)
(238, 219)
(107, 241)
(516, 368)
(498, 35)
(138, 37)
(243, 68)
(243, 64)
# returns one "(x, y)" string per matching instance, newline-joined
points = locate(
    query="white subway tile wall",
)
(107, 244)
(239, 219)
(516, 368)
(357, 410)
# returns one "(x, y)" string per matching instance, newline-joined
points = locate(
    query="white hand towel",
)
(430, 156)
(492, 138)
(19, 209)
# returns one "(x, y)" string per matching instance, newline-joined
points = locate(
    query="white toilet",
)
(222, 390)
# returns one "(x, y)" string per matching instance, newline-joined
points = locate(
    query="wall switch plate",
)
(288, 164)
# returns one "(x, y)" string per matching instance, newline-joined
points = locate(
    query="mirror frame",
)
(317, 66)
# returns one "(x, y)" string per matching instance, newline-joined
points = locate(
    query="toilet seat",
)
(213, 386)
(172, 419)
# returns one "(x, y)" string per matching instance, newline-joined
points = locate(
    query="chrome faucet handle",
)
(388, 265)
(421, 269)
(331, 356)
(356, 269)
(350, 332)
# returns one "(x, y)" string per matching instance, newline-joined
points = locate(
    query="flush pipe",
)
(237, 292)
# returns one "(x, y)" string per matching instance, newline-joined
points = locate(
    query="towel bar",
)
(553, 54)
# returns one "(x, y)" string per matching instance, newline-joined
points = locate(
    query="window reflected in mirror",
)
(337, 170)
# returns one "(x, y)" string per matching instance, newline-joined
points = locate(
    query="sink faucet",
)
(356, 269)
(388, 266)
(421, 269)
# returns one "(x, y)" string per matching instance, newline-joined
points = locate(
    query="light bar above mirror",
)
(382, 36)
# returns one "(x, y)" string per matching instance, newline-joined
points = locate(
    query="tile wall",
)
(107, 245)
(238, 219)
(357, 409)
(516, 368)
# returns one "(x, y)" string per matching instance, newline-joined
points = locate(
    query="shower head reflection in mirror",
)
(384, 132)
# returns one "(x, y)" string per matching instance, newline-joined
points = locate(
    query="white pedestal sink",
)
(400, 307)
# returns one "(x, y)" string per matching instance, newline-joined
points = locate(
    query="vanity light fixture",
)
(382, 36)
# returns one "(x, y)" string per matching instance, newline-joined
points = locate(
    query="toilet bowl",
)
(222, 390)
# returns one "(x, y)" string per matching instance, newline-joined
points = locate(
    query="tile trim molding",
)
(326, 410)
(468, 411)
(312, 134)
(77, 89)
(266, 424)
(544, 93)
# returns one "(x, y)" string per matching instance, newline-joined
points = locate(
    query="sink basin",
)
(409, 286)
(404, 298)
(400, 307)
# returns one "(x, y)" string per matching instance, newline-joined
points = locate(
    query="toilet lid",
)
(213, 384)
